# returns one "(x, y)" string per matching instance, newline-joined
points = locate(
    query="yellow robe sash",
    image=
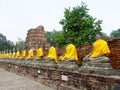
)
(17, 54)
(23, 54)
(13, 55)
(52, 54)
(70, 53)
(10, 55)
(30, 54)
(39, 53)
(100, 47)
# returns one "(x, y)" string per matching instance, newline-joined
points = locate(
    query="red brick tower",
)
(36, 37)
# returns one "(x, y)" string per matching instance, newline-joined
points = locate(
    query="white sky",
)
(18, 16)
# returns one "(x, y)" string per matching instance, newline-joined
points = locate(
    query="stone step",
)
(91, 64)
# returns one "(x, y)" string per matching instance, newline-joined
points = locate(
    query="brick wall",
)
(115, 52)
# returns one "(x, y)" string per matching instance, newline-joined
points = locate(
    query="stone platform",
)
(63, 76)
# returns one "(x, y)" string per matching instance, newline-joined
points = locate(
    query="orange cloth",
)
(100, 47)
(52, 54)
(70, 53)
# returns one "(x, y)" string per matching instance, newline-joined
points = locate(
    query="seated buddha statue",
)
(10, 54)
(71, 52)
(30, 53)
(52, 54)
(100, 50)
(23, 54)
(13, 54)
(97, 61)
(39, 52)
(17, 55)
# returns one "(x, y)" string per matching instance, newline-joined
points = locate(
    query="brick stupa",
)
(36, 37)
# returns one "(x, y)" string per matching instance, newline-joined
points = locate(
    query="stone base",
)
(99, 65)
(60, 76)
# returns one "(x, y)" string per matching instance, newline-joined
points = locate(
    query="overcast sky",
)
(18, 16)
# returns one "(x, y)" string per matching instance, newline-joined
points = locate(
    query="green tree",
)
(56, 37)
(5, 45)
(115, 34)
(49, 35)
(79, 25)
(20, 44)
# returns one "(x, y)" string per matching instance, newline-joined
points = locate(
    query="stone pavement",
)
(11, 81)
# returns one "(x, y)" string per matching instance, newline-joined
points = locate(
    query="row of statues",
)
(52, 54)
(100, 49)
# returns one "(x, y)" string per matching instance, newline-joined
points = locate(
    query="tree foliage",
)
(79, 25)
(5, 45)
(56, 37)
(115, 34)
(20, 44)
